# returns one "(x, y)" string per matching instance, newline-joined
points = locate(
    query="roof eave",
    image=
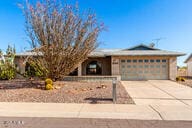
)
(149, 55)
(188, 58)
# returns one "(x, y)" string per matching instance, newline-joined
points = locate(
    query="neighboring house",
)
(189, 65)
(137, 63)
(182, 72)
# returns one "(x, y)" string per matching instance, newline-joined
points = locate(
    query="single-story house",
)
(188, 61)
(141, 62)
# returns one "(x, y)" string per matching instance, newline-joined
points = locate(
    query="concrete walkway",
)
(106, 111)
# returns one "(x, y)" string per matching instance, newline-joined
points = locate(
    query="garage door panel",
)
(144, 69)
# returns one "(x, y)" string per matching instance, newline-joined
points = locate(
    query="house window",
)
(94, 68)
(158, 61)
(134, 61)
(122, 61)
(164, 61)
(146, 61)
(140, 61)
(128, 61)
(151, 61)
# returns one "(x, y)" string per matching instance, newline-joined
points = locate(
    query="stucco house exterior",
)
(188, 61)
(140, 62)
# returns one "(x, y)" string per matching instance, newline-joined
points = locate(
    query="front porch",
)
(97, 66)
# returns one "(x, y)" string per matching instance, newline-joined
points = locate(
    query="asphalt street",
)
(22, 122)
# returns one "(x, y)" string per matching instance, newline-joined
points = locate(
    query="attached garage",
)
(144, 63)
(144, 68)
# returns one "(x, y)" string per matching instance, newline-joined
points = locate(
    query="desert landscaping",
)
(64, 92)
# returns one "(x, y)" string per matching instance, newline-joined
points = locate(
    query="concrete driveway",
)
(158, 92)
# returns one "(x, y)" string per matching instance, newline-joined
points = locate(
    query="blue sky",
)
(129, 22)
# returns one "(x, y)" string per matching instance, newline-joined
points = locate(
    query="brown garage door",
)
(144, 69)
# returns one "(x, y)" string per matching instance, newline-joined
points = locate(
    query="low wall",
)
(90, 78)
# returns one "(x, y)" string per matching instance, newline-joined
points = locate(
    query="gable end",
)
(142, 47)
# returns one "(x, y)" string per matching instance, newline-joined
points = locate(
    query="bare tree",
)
(61, 37)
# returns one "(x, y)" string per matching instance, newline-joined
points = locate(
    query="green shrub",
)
(180, 79)
(49, 87)
(7, 66)
(7, 72)
(48, 81)
(34, 70)
(183, 79)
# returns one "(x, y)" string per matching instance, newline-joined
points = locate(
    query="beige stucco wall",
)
(189, 67)
(172, 68)
(79, 70)
(115, 67)
(20, 65)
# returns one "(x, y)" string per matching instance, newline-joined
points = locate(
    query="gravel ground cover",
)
(65, 92)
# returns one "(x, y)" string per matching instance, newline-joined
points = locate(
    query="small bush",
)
(33, 70)
(180, 79)
(7, 66)
(183, 79)
(49, 87)
(7, 72)
(48, 84)
(48, 81)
